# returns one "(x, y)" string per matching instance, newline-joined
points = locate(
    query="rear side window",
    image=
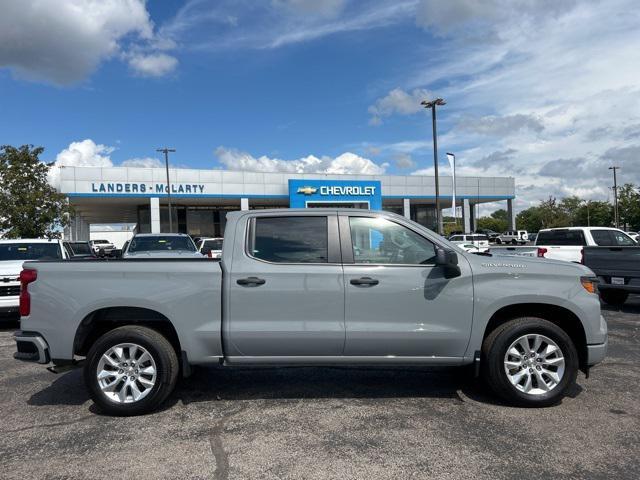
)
(290, 239)
(561, 237)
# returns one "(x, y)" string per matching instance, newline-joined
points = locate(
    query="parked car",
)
(481, 241)
(533, 236)
(161, 245)
(567, 243)
(489, 233)
(210, 247)
(13, 253)
(77, 250)
(515, 237)
(291, 289)
(617, 269)
(102, 245)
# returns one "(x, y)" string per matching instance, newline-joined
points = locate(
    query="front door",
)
(286, 291)
(398, 302)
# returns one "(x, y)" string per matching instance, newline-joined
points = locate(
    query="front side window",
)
(380, 241)
(622, 239)
(290, 239)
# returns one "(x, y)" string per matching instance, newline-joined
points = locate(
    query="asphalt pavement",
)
(323, 423)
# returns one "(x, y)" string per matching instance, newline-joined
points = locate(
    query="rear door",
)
(286, 291)
(398, 303)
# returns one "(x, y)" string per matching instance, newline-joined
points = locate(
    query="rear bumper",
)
(31, 347)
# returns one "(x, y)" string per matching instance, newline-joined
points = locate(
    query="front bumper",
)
(31, 347)
(597, 352)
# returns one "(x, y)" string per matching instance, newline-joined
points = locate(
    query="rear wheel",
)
(514, 242)
(614, 297)
(529, 362)
(498, 241)
(130, 370)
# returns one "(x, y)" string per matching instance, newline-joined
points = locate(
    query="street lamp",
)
(452, 161)
(615, 196)
(432, 105)
(166, 162)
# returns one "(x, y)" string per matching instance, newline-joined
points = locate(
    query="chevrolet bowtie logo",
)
(307, 190)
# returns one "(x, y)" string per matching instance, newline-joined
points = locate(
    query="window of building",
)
(380, 241)
(290, 239)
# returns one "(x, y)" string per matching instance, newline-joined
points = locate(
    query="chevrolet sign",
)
(304, 192)
(307, 190)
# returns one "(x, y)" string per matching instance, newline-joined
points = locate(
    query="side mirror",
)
(448, 260)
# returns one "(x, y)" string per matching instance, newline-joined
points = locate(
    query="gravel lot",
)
(327, 423)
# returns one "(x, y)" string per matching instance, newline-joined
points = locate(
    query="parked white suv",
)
(566, 243)
(13, 253)
(104, 245)
(477, 240)
(514, 237)
(210, 247)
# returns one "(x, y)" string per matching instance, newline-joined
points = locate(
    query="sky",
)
(545, 91)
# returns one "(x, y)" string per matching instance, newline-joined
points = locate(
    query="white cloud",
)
(85, 153)
(143, 162)
(63, 41)
(397, 102)
(404, 160)
(324, 8)
(153, 64)
(346, 163)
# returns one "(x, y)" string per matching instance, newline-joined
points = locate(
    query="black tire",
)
(164, 356)
(514, 242)
(614, 297)
(495, 347)
(498, 241)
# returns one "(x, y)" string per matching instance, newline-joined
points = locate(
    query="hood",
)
(10, 268)
(507, 262)
(164, 254)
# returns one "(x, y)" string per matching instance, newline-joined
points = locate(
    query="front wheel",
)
(130, 370)
(614, 297)
(498, 241)
(530, 362)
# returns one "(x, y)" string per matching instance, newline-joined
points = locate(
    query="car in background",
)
(76, 250)
(513, 237)
(161, 245)
(533, 236)
(634, 236)
(210, 247)
(492, 234)
(13, 253)
(480, 241)
(105, 245)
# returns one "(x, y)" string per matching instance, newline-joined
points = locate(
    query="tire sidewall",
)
(528, 327)
(163, 371)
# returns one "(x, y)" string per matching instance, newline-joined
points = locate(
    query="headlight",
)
(590, 284)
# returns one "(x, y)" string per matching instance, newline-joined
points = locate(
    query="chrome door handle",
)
(368, 281)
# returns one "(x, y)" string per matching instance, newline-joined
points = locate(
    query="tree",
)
(570, 208)
(29, 206)
(629, 206)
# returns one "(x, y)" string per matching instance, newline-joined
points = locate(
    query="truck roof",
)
(577, 228)
(161, 235)
(29, 240)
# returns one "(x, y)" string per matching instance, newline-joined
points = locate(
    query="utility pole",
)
(432, 105)
(166, 151)
(615, 196)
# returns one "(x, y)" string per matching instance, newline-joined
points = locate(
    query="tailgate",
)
(613, 261)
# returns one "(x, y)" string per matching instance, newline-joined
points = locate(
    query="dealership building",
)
(201, 198)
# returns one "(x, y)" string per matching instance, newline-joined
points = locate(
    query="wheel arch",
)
(103, 320)
(558, 315)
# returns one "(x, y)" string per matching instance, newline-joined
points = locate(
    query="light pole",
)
(432, 105)
(166, 162)
(452, 160)
(615, 196)
(587, 203)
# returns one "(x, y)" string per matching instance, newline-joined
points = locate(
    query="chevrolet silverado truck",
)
(313, 287)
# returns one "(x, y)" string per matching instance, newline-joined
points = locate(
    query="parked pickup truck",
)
(313, 287)
(618, 271)
(567, 243)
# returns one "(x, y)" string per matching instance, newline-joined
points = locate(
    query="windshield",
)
(209, 245)
(161, 243)
(80, 248)
(30, 251)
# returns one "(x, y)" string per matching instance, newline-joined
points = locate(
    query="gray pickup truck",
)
(313, 287)
(617, 269)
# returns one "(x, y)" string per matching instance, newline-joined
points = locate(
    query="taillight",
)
(541, 252)
(26, 277)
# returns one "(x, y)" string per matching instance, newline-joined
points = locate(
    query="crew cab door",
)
(285, 290)
(398, 302)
